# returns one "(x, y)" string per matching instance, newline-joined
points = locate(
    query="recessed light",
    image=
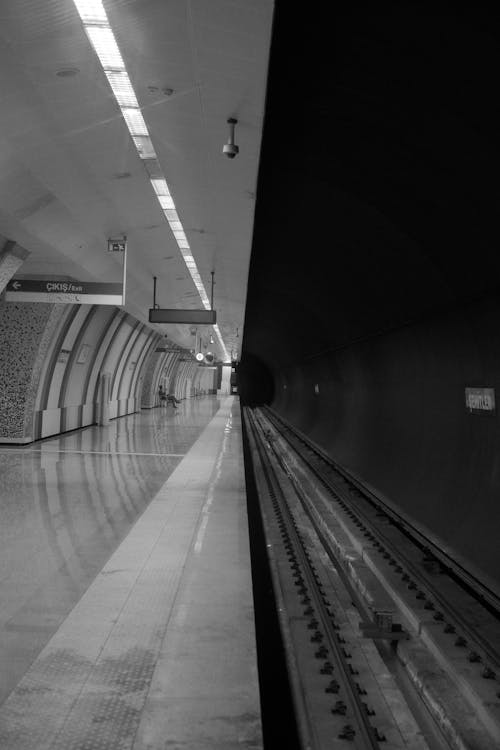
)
(67, 72)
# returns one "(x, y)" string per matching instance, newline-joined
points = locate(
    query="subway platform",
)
(127, 611)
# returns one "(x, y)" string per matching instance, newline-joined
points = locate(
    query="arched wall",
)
(50, 362)
(167, 373)
(184, 378)
(161, 370)
(174, 377)
(204, 381)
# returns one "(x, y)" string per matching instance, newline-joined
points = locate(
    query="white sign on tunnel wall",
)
(480, 400)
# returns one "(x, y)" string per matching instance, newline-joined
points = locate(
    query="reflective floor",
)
(66, 503)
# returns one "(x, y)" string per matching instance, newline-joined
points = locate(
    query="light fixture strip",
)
(102, 39)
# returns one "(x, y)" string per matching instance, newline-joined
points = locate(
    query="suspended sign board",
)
(69, 292)
(480, 400)
(201, 317)
(74, 292)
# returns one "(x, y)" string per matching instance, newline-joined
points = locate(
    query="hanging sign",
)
(202, 317)
(117, 246)
(75, 292)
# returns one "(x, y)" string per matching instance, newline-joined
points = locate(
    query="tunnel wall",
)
(391, 409)
(176, 373)
(160, 366)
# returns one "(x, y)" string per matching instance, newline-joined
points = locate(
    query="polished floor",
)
(89, 593)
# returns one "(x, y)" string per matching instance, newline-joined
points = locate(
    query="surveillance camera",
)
(230, 150)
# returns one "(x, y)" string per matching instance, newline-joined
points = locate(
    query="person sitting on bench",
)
(171, 399)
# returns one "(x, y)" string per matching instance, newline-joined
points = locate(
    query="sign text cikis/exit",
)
(54, 290)
(76, 292)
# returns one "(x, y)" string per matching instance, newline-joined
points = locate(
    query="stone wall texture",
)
(26, 333)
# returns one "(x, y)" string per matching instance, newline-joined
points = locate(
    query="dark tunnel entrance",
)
(255, 381)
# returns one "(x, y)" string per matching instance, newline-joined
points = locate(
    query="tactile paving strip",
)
(70, 699)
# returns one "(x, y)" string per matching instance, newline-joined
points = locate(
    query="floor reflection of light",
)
(66, 503)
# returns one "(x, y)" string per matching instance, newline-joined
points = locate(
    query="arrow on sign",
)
(16, 285)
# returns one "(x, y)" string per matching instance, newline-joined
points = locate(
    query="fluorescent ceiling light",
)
(91, 11)
(227, 358)
(160, 187)
(122, 88)
(166, 202)
(103, 40)
(144, 147)
(135, 121)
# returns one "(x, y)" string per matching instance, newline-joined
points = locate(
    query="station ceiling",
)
(71, 177)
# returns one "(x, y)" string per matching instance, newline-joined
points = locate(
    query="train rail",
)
(411, 608)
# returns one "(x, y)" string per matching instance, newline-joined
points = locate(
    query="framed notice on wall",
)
(64, 355)
(480, 401)
(83, 354)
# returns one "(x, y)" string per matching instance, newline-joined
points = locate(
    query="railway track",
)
(411, 611)
(421, 564)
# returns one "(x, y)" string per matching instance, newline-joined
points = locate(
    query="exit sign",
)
(117, 246)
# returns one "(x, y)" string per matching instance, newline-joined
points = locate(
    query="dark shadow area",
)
(278, 713)
(255, 382)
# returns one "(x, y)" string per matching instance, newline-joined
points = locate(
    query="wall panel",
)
(148, 347)
(112, 318)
